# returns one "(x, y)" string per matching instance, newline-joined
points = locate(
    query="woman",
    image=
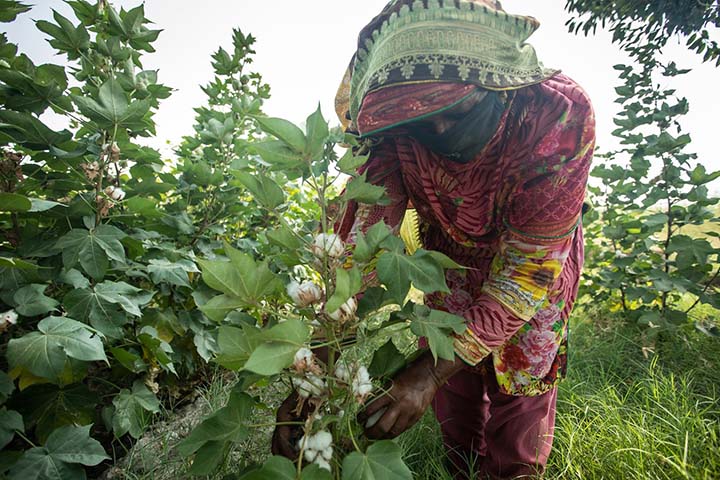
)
(493, 152)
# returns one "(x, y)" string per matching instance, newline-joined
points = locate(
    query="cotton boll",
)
(304, 360)
(346, 311)
(361, 385)
(8, 318)
(304, 294)
(327, 453)
(323, 440)
(327, 244)
(322, 463)
(342, 372)
(310, 455)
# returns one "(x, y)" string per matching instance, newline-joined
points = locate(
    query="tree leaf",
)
(174, 273)
(236, 345)
(10, 421)
(274, 468)
(265, 190)
(278, 347)
(349, 163)
(66, 449)
(317, 134)
(387, 360)
(436, 325)
(132, 408)
(382, 461)
(278, 154)
(360, 190)
(13, 202)
(229, 424)
(31, 300)
(49, 407)
(44, 352)
(347, 284)
(396, 270)
(284, 130)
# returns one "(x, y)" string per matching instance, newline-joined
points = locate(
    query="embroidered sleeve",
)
(540, 222)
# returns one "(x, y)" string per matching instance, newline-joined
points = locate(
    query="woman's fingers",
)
(383, 426)
(373, 407)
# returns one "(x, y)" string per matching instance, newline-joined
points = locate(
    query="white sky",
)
(304, 47)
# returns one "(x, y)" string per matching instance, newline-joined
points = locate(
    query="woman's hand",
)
(410, 394)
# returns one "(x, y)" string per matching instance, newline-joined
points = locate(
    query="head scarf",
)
(427, 43)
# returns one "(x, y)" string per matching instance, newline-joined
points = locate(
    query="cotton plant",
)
(316, 297)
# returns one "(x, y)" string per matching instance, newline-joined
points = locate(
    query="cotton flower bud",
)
(304, 294)
(328, 244)
(346, 311)
(8, 318)
(361, 385)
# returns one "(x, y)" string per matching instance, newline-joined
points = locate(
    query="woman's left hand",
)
(410, 394)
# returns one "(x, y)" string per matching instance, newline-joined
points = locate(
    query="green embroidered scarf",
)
(451, 40)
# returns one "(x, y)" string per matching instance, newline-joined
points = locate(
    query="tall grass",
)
(620, 415)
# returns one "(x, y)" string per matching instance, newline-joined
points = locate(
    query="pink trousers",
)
(492, 434)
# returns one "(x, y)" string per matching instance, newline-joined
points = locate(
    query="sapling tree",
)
(639, 256)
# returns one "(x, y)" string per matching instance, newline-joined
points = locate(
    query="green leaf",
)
(242, 277)
(368, 244)
(6, 386)
(10, 9)
(44, 352)
(174, 273)
(236, 345)
(284, 237)
(48, 407)
(73, 445)
(112, 108)
(436, 326)
(360, 190)
(13, 202)
(17, 263)
(39, 205)
(65, 449)
(286, 131)
(101, 305)
(396, 270)
(89, 250)
(129, 360)
(349, 163)
(208, 458)
(133, 410)
(382, 461)
(317, 134)
(278, 347)
(274, 468)
(10, 421)
(218, 307)
(265, 190)
(386, 361)
(229, 424)
(66, 37)
(157, 347)
(27, 130)
(277, 153)
(347, 284)
(31, 300)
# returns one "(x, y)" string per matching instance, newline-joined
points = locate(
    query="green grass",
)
(620, 415)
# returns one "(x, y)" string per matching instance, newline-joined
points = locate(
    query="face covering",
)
(471, 132)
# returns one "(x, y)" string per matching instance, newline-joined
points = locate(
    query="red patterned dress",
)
(512, 216)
